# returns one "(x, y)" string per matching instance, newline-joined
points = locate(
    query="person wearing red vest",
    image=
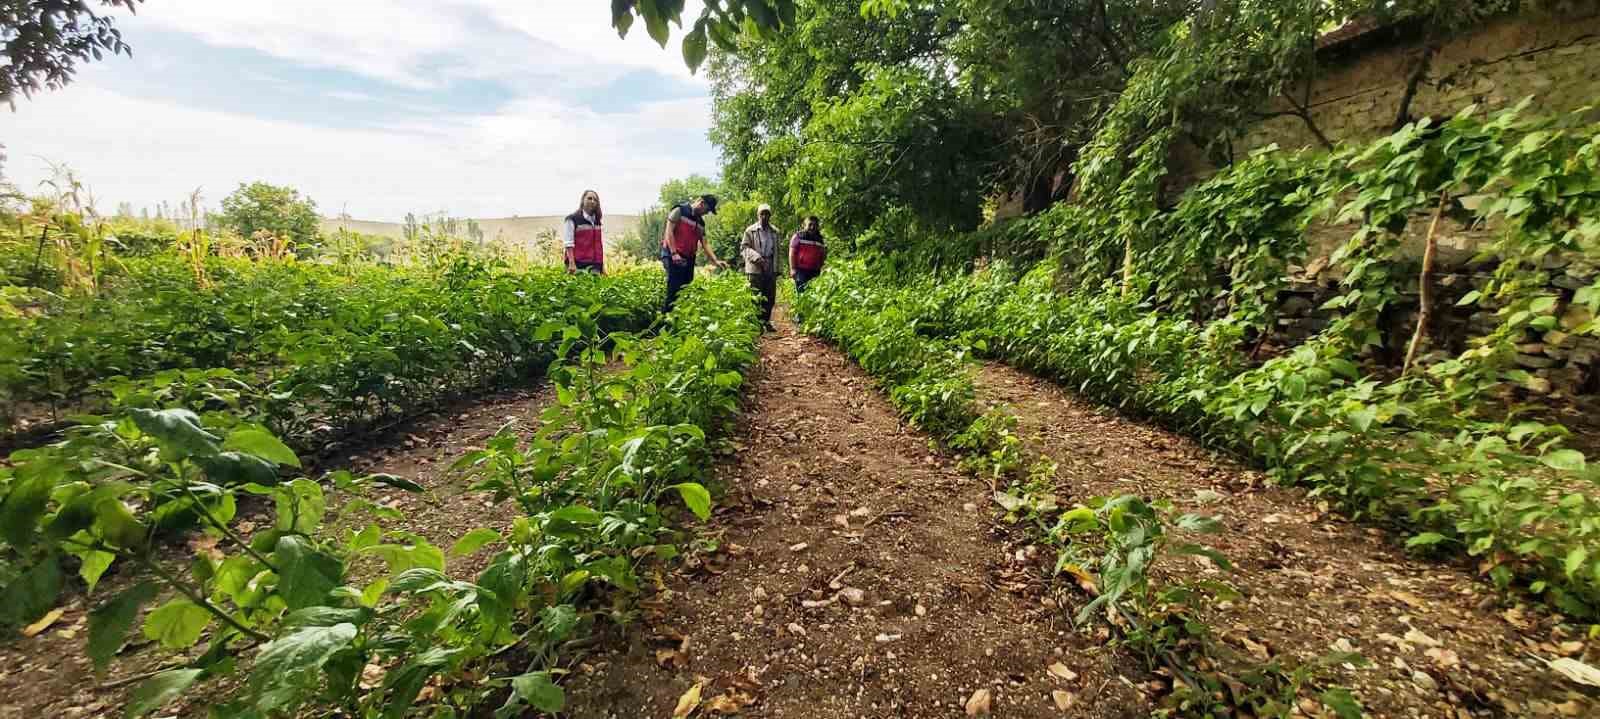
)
(582, 237)
(683, 238)
(807, 251)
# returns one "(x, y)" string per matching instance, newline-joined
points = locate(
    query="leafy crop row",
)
(324, 345)
(1435, 449)
(1109, 546)
(284, 600)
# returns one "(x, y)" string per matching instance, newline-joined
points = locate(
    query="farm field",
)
(1034, 359)
(520, 231)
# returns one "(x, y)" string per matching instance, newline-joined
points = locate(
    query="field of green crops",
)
(157, 389)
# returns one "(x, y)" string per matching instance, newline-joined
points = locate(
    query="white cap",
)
(763, 208)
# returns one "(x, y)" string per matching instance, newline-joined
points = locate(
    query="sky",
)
(374, 108)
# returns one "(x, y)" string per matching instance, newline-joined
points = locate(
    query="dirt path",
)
(1439, 639)
(49, 676)
(859, 575)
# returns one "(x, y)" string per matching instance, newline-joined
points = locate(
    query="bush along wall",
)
(1172, 315)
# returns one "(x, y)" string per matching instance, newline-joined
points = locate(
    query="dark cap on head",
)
(711, 203)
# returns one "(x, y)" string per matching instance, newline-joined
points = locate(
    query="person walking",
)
(759, 250)
(582, 238)
(807, 251)
(684, 236)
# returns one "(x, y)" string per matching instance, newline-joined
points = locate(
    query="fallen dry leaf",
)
(978, 703)
(1064, 700)
(1061, 671)
(1577, 671)
(1415, 637)
(688, 702)
(731, 703)
(44, 623)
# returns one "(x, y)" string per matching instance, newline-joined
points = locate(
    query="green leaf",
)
(176, 428)
(1362, 418)
(1426, 539)
(1566, 460)
(29, 596)
(326, 617)
(177, 624)
(261, 443)
(300, 506)
(1199, 523)
(306, 575)
(390, 480)
(109, 623)
(696, 497)
(93, 565)
(1342, 702)
(473, 541)
(405, 683)
(1575, 559)
(694, 46)
(290, 667)
(26, 503)
(401, 558)
(156, 691)
(234, 469)
(539, 692)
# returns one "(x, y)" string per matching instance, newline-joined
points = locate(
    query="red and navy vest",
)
(588, 245)
(808, 252)
(688, 233)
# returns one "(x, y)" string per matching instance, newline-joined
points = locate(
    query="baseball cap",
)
(711, 203)
(763, 208)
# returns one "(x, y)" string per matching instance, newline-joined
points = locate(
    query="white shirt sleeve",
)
(568, 231)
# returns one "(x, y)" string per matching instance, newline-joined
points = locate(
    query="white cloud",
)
(419, 44)
(531, 157)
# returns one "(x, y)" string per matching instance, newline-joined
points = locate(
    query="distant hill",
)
(513, 229)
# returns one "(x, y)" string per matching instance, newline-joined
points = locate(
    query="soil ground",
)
(831, 496)
(857, 572)
(49, 676)
(1440, 640)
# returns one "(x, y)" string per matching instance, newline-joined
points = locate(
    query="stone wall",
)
(1554, 58)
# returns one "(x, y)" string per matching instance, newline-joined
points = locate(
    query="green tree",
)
(45, 39)
(682, 190)
(279, 210)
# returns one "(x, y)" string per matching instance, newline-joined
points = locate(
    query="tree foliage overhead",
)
(924, 110)
(45, 39)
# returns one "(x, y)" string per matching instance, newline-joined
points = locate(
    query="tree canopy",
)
(45, 39)
(279, 210)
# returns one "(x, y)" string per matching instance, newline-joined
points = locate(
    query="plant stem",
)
(227, 532)
(198, 600)
(1425, 287)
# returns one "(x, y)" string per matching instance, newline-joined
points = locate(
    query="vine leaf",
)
(697, 497)
(1567, 460)
(307, 574)
(156, 691)
(109, 623)
(289, 666)
(177, 624)
(261, 443)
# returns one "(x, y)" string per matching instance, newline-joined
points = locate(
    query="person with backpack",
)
(582, 238)
(683, 238)
(807, 251)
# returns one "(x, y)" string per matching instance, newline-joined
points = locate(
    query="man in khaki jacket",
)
(759, 250)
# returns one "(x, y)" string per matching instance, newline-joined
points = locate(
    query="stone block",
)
(1535, 361)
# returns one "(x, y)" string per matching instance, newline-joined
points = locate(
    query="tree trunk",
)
(1425, 288)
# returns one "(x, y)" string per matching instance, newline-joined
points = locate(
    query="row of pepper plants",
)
(325, 346)
(293, 614)
(1110, 547)
(1163, 317)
